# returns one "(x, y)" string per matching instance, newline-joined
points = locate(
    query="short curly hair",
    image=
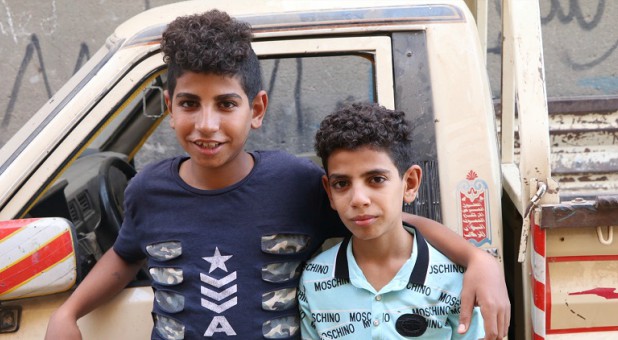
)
(366, 124)
(211, 42)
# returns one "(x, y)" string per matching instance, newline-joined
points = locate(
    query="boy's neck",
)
(381, 259)
(205, 178)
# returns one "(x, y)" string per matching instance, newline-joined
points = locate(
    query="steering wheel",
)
(111, 191)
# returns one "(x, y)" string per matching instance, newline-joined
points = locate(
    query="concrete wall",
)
(42, 43)
(580, 38)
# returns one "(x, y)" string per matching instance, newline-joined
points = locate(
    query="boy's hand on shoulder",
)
(484, 286)
(62, 326)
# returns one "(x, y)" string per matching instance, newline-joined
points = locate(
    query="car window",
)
(302, 90)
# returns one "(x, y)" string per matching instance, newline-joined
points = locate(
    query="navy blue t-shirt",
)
(226, 262)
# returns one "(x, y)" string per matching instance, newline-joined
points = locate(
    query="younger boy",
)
(223, 231)
(385, 281)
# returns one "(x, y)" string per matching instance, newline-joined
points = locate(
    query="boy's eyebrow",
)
(228, 96)
(336, 176)
(187, 95)
(372, 172)
(377, 171)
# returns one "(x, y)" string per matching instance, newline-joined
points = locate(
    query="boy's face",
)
(212, 117)
(365, 188)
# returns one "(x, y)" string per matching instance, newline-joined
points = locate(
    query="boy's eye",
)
(228, 105)
(187, 103)
(377, 179)
(339, 184)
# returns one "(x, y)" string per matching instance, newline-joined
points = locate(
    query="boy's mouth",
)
(363, 219)
(207, 145)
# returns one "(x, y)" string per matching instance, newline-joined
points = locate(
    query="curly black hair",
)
(366, 124)
(211, 42)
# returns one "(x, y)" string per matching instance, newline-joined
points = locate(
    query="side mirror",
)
(37, 257)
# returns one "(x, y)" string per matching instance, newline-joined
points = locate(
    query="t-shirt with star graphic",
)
(226, 262)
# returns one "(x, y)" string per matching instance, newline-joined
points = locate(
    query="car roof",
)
(284, 17)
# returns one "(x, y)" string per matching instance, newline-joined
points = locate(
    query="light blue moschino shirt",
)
(422, 300)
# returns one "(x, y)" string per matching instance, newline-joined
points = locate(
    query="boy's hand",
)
(484, 286)
(108, 277)
(483, 283)
(62, 326)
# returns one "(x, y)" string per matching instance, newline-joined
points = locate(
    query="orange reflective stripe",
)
(7, 228)
(34, 264)
(6, 232)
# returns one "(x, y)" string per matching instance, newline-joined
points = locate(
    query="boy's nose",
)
(359, 197)
(207, 121)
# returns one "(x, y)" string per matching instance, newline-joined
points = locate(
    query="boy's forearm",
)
(108, 277)
(485, 288)
(444, 239)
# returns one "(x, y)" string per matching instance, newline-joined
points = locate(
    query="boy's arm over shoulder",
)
(484, 283)
(108, 277)
(484, 286)
(450, 282)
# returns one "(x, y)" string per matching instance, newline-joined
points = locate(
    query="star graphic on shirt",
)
(217, 261)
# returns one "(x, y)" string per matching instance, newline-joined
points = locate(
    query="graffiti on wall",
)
(580, 43)
(34, 43)
(574, 13)
(33, 50)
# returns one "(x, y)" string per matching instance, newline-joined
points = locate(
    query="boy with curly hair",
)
(224, 231)
(385, 281)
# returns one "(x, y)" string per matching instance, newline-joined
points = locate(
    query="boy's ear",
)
(258, 109)
(412, 181)
(327, 189)
(168, 103)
